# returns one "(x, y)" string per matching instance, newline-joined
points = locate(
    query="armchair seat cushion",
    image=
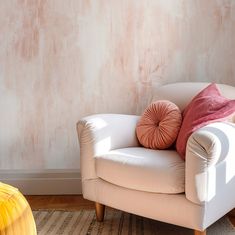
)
(158, 171)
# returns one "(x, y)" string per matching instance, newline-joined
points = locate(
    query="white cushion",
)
(181, 93)
(160, 171)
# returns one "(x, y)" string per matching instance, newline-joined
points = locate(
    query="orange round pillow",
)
(159, 125)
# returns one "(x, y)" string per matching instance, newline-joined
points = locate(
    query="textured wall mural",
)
(62, 60)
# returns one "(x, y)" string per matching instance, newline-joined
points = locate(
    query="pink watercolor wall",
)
(62, 60)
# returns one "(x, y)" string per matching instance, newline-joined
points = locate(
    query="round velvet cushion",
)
(15, 213)
(159, 125)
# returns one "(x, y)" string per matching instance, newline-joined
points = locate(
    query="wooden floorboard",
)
(73, 202)
(59, 202)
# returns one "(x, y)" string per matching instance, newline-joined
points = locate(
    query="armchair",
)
(116, 171)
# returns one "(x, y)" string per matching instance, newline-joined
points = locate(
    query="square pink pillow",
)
(206, 107)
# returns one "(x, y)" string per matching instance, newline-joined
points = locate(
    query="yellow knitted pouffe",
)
(16, 217)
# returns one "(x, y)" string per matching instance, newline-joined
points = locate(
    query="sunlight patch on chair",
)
(208, 191)
(99, 123)
(211, 187)
(126, 155)
(103, 146)
(230, 168)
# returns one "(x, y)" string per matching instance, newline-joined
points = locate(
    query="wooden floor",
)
(59, 202)
(73, 202)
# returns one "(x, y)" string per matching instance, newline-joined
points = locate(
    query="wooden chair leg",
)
(99, 210)
(196, 232)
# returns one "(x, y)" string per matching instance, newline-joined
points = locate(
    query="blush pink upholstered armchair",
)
(117, 172)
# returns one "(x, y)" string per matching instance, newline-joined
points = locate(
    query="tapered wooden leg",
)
(99, 210)
(196, 232)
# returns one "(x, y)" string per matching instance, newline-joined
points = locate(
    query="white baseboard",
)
(43, 182)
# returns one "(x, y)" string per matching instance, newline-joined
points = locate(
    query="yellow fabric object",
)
(16, 217)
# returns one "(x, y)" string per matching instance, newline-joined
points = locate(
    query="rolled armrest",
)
(101, 133)
(210, 161)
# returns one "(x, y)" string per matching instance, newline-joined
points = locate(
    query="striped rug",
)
(83, 222)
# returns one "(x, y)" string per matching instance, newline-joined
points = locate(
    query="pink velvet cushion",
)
(159, 125)
(206, 107)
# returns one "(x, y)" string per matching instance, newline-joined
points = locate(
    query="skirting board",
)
(43, 182)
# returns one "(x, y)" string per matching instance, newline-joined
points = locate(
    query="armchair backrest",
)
(182, 93)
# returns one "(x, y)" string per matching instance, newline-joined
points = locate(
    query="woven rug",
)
(116, 222)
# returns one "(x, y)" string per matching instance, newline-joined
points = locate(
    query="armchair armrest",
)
(101, 133)
(210, 162)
